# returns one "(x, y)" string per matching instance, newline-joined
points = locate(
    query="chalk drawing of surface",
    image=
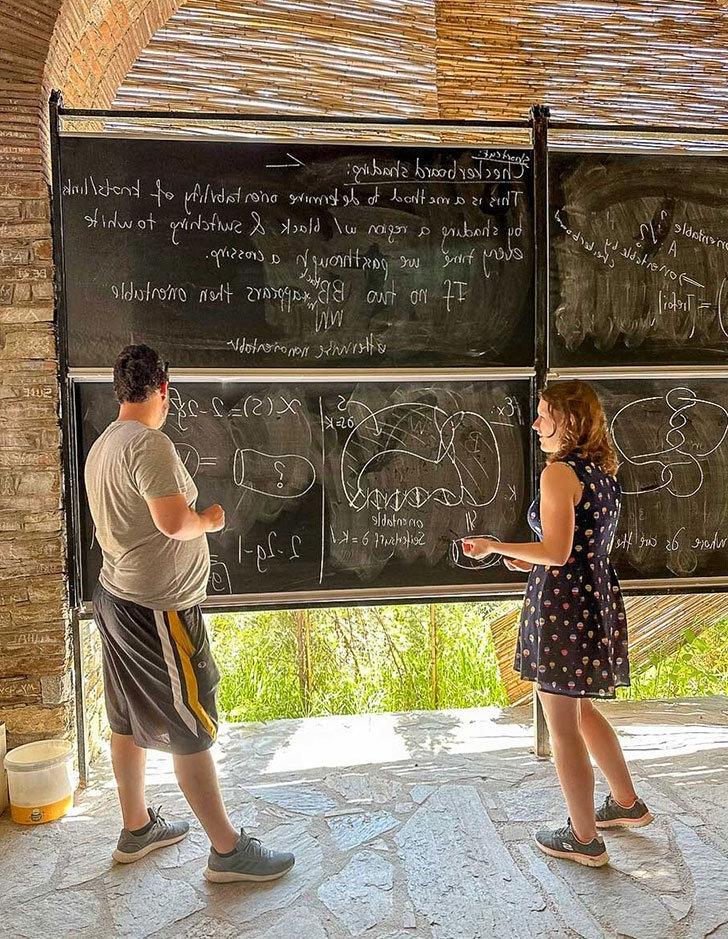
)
(684, 431)
(407, 455)
(460, 559)
(281, 475)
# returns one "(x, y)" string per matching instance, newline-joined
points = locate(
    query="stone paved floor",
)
(413, 825)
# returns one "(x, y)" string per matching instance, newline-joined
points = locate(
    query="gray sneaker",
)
(564, 843)
(160, 834)
(251, 861)
(614, 815)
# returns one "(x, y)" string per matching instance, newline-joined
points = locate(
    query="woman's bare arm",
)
(560, 490)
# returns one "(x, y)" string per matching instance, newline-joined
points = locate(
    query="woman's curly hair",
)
(585, 424)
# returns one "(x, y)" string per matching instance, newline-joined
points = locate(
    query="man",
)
(159, 675)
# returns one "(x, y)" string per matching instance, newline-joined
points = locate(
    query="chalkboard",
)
(362, 488)
(672, 441)
(223, 255)
(639, 260)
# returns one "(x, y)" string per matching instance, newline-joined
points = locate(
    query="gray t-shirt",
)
(128, 464)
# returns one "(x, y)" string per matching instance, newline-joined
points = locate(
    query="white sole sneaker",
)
(123, 857)
(628, 822)
(228, 877)
(598, 860)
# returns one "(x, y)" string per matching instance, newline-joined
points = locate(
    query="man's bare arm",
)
(175, 519)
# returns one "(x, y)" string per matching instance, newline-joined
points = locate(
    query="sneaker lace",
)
(256, 844)
(569, 832)
(157, 815)
(566, 832)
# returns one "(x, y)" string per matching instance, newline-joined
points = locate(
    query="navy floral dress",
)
(573, 630)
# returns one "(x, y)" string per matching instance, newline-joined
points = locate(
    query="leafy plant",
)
(400, 658)
(698, 667)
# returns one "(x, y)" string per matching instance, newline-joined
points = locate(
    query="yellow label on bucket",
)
(38, 814)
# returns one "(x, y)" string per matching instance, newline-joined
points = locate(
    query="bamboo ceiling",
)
(278, 56)
(600, 60)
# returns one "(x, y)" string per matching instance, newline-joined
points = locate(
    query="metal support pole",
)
(540, 118)
(541, 740)
(80, 702)
(55, 105)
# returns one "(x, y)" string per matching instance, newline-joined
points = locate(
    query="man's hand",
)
(213, 517)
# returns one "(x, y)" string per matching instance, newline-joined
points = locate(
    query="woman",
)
(573, 632)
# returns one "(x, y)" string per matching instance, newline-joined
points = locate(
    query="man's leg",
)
(129, 762)
(197, 778)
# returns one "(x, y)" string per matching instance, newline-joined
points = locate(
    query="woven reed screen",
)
(351, 56)
(628, 61)
(656, 624)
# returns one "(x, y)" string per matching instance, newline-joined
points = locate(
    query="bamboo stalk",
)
(301, 619)
(434, 656)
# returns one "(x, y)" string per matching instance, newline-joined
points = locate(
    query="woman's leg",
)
(571, 758)
(603, 744)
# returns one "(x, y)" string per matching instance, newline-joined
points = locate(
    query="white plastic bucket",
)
(40, 781)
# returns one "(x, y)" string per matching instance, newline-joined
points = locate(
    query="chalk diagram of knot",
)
(280, 475)
(692, 429)
(413, 455)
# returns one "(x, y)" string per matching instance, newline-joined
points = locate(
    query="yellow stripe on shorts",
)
(185, 650)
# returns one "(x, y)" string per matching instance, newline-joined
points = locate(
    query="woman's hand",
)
(478, 548)
(514, 565)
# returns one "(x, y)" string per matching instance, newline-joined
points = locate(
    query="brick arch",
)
(94, 44)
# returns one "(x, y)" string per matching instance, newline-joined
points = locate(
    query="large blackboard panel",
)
(230, 255)
(639, 260)
(672, 441)
(345, 487)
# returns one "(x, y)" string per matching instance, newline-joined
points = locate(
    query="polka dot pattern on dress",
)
(573, 630)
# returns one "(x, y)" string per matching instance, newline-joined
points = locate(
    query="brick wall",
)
(83, 47)
(35, 687)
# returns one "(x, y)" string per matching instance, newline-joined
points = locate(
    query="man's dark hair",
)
(138, 373)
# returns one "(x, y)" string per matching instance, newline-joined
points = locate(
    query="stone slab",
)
(74, 913)
(141, 901)
(301, 923)
(351, 831)
(242, 906)
(709, 872)
(360, 895)
(648, 856)
(460, 877)
(301, 800)
(617, 902)
(572, 911)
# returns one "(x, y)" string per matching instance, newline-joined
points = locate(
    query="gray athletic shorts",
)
(159, 674)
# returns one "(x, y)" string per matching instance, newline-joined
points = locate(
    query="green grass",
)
(374, 659)
(699, 667)
(256, 655)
